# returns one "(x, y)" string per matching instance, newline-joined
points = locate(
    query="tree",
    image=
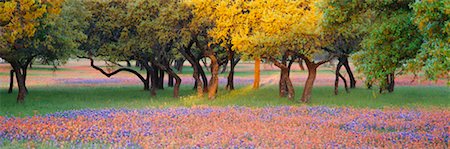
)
(281, 31)
(112, 37)
(47, 30)
(433, 21)
(389, 37)
(393, 40)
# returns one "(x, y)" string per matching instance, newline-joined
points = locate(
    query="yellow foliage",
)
(21, 23)
(260, 27)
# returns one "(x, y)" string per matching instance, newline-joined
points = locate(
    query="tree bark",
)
(20, 82)
(350, 73)
(233, 63)
(11, 81)
(257, 73)
(214, 82)
(312, 72)
(170, 81)
(205, 64)
(161, 79)
(203, 77)
(338, 75)
(192, 61)
(143, 80)
(170, 72)
(128, 63)
(285, 84)
(179, 65)
(300, 63)
(391, 83)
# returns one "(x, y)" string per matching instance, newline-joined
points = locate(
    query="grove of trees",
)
(385, 38)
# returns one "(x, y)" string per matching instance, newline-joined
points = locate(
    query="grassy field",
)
(43, 100)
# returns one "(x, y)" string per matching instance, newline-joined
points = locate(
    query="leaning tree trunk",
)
(214, 82)
(11, 81)
(312, 72)
(339, 75)
(137, 74)
(203, 77)
(350, 73)
(192, 60)
(24, 75)
(257, 74)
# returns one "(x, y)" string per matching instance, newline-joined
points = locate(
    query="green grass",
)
(42, 100)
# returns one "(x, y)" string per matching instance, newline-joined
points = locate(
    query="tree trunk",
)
(170, 82)
(147, 81)
(224, 67)
(192, 60)
(128, 63)
(143, 80)
(283, 89)
(285, 84)
(205, 64)
(137, 64)
(161, 79)
(312, 72)
(339, 75)
(282, 86)
(391, 83)
(170, 72)
(233, 63)
(300, 63)
(179, 65)
(154, 81)
(24, 76)
(257, 73)
(214, 82)
(203, 77)
(11, 81)
(20, 82)
(350, 73)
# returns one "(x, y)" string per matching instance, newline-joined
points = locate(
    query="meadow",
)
(92, 111)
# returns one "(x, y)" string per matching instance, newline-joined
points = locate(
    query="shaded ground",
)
(79, 73)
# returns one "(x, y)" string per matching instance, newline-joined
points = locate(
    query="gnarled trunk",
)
(143, 80)
(214, 82)
(312, 73)
(285, 84)
(192, 60)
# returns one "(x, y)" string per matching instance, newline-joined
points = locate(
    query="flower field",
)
(229, 127)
